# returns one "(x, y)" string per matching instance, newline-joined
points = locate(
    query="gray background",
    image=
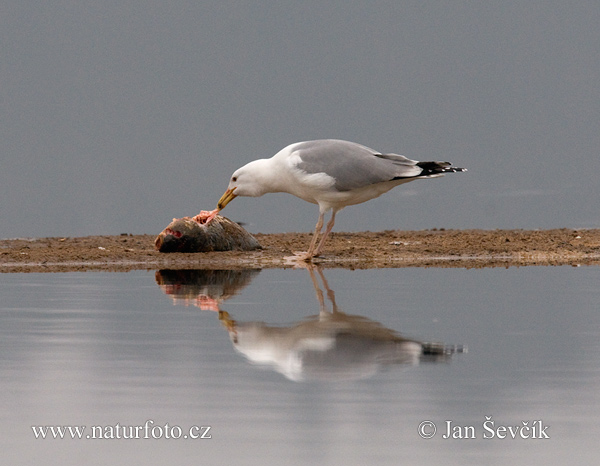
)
(118, 116)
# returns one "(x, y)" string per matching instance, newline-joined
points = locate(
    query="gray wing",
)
(352, 165)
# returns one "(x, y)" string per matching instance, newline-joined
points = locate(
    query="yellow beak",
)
(226, 198)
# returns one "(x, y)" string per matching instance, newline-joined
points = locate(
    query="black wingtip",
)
(454, 169)
(435, 168)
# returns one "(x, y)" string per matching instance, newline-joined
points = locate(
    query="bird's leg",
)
(313, 242)
(327, 231)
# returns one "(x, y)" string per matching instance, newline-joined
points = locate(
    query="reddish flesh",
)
(176, 234)
(205, 216)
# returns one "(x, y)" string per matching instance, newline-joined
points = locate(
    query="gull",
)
(330, 173)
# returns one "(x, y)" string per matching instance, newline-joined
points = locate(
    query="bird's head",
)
(249, 180)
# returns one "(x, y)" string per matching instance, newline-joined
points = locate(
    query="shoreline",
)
(384, 249)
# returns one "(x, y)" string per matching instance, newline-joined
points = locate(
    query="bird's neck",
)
(269, 177)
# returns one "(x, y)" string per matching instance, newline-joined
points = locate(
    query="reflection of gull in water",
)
(332, 345)
(329, 346)
(205, 289)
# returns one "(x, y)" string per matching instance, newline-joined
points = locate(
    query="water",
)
(276, 386)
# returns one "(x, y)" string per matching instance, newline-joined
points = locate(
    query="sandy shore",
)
(393, 248)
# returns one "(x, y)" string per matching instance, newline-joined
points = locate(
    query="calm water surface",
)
(289, 373)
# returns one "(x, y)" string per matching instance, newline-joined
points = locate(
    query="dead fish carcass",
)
(196, 235)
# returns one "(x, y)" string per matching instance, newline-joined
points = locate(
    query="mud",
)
(385, 249)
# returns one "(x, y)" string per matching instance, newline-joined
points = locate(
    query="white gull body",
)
(330, 173)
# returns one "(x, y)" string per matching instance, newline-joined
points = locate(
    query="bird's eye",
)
(234, 178)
